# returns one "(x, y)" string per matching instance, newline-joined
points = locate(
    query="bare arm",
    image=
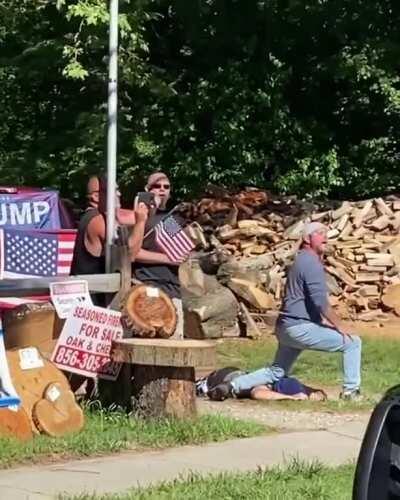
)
(135, 240)
(263, 393)
(125, 217)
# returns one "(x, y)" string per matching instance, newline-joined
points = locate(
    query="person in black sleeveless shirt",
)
(89, 255)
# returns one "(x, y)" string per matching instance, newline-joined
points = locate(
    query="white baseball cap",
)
(313, 227)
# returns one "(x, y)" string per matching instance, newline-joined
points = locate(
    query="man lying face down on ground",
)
(287, 388)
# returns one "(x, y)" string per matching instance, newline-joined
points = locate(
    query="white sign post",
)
(84, 345)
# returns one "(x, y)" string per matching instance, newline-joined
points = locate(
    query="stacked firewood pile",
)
(260, 234)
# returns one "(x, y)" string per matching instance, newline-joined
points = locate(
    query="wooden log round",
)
(31, 384)
(149, 312)
(164, 391)
(57, 413)
(16, 424)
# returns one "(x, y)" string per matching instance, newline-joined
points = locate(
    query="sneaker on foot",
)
(354, 395)
(221, 392)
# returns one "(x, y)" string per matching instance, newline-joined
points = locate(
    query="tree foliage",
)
(302, 96)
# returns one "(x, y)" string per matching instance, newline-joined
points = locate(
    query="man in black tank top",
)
(89, 257)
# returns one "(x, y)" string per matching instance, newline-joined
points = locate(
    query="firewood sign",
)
(84, 345)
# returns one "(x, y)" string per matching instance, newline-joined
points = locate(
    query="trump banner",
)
(30, 210)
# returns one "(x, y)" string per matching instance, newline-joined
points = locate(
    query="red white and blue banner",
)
(30, 210)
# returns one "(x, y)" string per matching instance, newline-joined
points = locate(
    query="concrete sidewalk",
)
(120, 472)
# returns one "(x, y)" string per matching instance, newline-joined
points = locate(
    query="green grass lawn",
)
(380, 365)
(296, 482)
(108, 432)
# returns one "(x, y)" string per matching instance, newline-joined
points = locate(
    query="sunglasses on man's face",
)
(159, 186)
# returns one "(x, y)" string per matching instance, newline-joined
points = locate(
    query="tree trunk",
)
(164, 391)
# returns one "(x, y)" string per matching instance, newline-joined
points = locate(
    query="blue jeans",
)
(307, 336)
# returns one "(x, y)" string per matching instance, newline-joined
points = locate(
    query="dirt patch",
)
(283, 419)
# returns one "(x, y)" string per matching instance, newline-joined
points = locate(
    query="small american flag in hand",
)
(35, 253)
(172, 239)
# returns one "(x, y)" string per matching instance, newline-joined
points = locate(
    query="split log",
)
(226, 233)
(333, 233)
(359, 233)
(249, 292)
(294, 232)
(242, 224)
(380, 223)
(367, 277)
(382, 208)
(379, 259)
(395, 222)
(251, 268)
(391, 298)
(361, 214)
(343, 276)
(342, 222)
(231, 218)
(348, 228)
(372, 267)
(212, 314)
(149, 312)
(318, 216)
(345, 208)
(369, 291)
(333, 286)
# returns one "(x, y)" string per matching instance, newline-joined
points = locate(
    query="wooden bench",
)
(163, 373)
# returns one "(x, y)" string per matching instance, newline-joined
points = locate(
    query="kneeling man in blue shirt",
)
(306, 321)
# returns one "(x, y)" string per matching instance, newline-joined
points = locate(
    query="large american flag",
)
(35, 253)
(172, 239)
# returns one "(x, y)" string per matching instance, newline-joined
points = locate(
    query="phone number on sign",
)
(85, 361)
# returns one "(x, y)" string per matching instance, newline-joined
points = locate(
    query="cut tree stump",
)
(149, 312)
(164, 373)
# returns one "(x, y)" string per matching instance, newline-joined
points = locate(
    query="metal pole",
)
(112, 129)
